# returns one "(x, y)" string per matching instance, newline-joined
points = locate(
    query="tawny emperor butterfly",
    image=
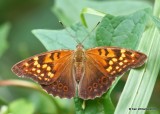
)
(92, 71)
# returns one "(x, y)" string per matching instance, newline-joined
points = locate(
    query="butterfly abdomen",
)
(78, 70)
(79, 63)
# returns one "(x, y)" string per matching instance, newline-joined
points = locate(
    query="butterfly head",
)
(80, 46)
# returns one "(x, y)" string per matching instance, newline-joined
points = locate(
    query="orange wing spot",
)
(119, 70)
(133, 60)
(113, 72)
(123, 55)
(114, 59)
(48, 59)
(51, 76)
(121, 58)
(55, 56)
(103, 52)
(103, 62)
(125, 61)
(26, 70)
(35, 63)
(36, 58)
(120, 63)
(110, 53)
(49, 73)
(48, 68)
(26, 64)
(38, 71)
(33, 69)
(45, 79)
(39, 78)
(95, 52)
(110, 62)
(55, 67)
(124, 66)
(123, 50)
(117, 67)
(42, 75)
(109, 69)
(44, 66)
(38, 65)
(132, 55)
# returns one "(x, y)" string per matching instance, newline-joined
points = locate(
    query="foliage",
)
(134, 28)
(3, 33)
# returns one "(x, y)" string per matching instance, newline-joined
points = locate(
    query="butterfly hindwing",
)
(94, 82)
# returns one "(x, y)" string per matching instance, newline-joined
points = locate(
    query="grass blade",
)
(140, 83)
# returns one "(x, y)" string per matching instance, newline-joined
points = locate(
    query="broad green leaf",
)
(4, 29)
(21, 106)
(88, 106)
(122, 31)
(94, 107)
(61, 39)
(89, 11)
(68, 11)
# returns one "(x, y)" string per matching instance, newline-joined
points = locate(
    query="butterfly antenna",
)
(69, 33)
(90, 32)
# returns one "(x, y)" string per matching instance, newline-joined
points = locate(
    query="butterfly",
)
(89, 72)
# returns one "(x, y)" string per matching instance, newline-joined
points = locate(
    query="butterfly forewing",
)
(115, 60)
(43, 67)
(52, 70)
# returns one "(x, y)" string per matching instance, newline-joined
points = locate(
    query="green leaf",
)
(94, 107)
(4, 29)
(21, 106)
(61, 39)
(122, 31)
(88, 106)
(68, 11)
(156, 20)
(2, 102)
(89, 11)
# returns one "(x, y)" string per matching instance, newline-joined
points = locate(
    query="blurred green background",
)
(17, 19)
